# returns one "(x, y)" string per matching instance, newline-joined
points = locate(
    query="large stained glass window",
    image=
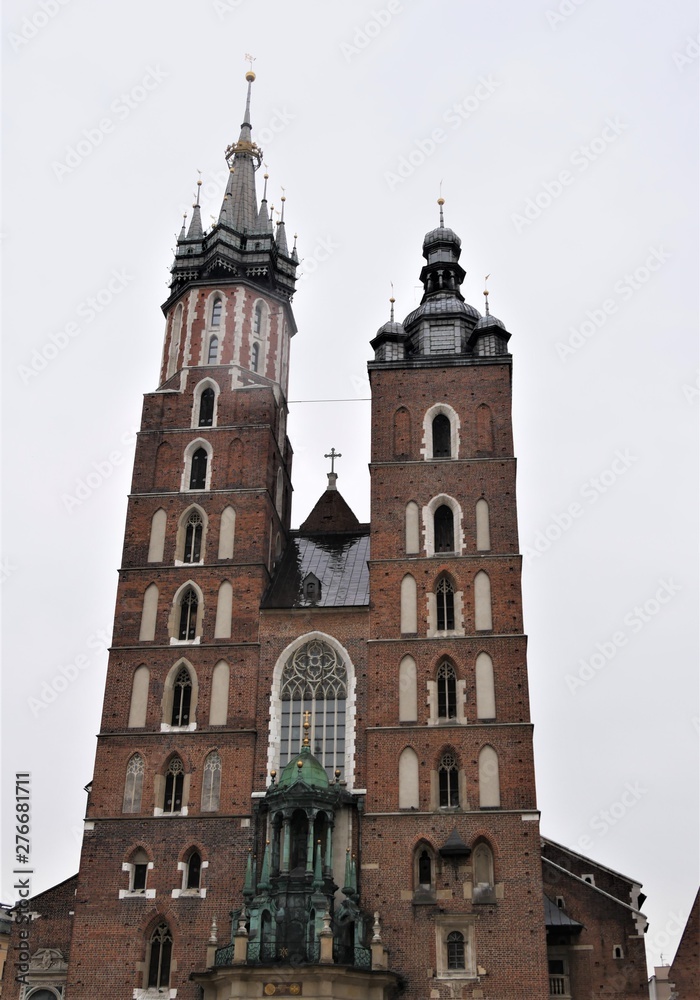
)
(314, 680)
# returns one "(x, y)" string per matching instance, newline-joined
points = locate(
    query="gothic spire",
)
(195, 231)
(240, 209)
(281, 234)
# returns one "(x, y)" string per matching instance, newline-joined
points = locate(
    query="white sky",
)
(340, 103)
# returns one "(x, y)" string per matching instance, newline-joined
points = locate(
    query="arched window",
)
(489, 782)
(445, 595)
(408, 779)
(149, 614)
(206, 406)
(408, 693)
(425, 869)
(255, 356)
(213, 355)
(218, 704)
(444, 529)
(227, 531)
(174, 784)
(482, 864)
(160, 955)
(194, 871)
(412, 529)
(182, 698)
(193, 538)
(133, 786)
(156, 543)
(448, 781)
(442, 436)
(447, 691)
(257, 320)
(216, 313)
(314, 679)
(455, 950)
(409, 610)
(188, 615)
(174, 348)
(139, 698)
(211, 782)
(198, 470)
(485, 688)
(483, 531)
(224, 611)
(483, 620)
(402, 432)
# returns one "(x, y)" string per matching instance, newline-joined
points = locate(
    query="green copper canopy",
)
(304, 767)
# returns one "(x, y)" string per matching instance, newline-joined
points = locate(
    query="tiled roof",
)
(339, 561)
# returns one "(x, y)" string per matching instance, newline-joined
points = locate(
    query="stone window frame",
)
(445, 924)
(427, 443)
(183, 866)
(174, 618)
(191, 448)
(168, 697)
(428, 516)
(130, 867)
(199, 389)
(181, 535)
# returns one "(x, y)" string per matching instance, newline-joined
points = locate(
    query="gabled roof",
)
(590, 861)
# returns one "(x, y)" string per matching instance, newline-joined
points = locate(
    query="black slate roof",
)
(338, 560)
(556, 916)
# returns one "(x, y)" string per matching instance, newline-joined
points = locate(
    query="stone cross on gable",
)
(332, 475)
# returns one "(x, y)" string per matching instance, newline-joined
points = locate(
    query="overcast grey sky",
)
(564, 133)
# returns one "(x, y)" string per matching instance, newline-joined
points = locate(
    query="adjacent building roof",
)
(556, 916)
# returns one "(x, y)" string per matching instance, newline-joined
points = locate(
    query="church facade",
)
(314, 774)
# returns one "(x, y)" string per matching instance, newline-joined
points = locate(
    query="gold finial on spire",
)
(282, 199)
(392, 300)
(199, 188)
(307, 726)
(250, 75)
(486, 294)
(441, 202)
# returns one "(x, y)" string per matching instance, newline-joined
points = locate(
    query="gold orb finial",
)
(250, 76)
(441, 201)
(300, 764)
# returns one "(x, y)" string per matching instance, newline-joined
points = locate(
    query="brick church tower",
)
(314, 774)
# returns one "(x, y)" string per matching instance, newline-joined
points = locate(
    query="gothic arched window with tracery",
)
(314, 680)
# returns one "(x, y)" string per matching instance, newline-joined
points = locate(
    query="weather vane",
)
(250, 59)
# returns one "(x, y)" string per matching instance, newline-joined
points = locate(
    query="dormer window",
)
(312, 588)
